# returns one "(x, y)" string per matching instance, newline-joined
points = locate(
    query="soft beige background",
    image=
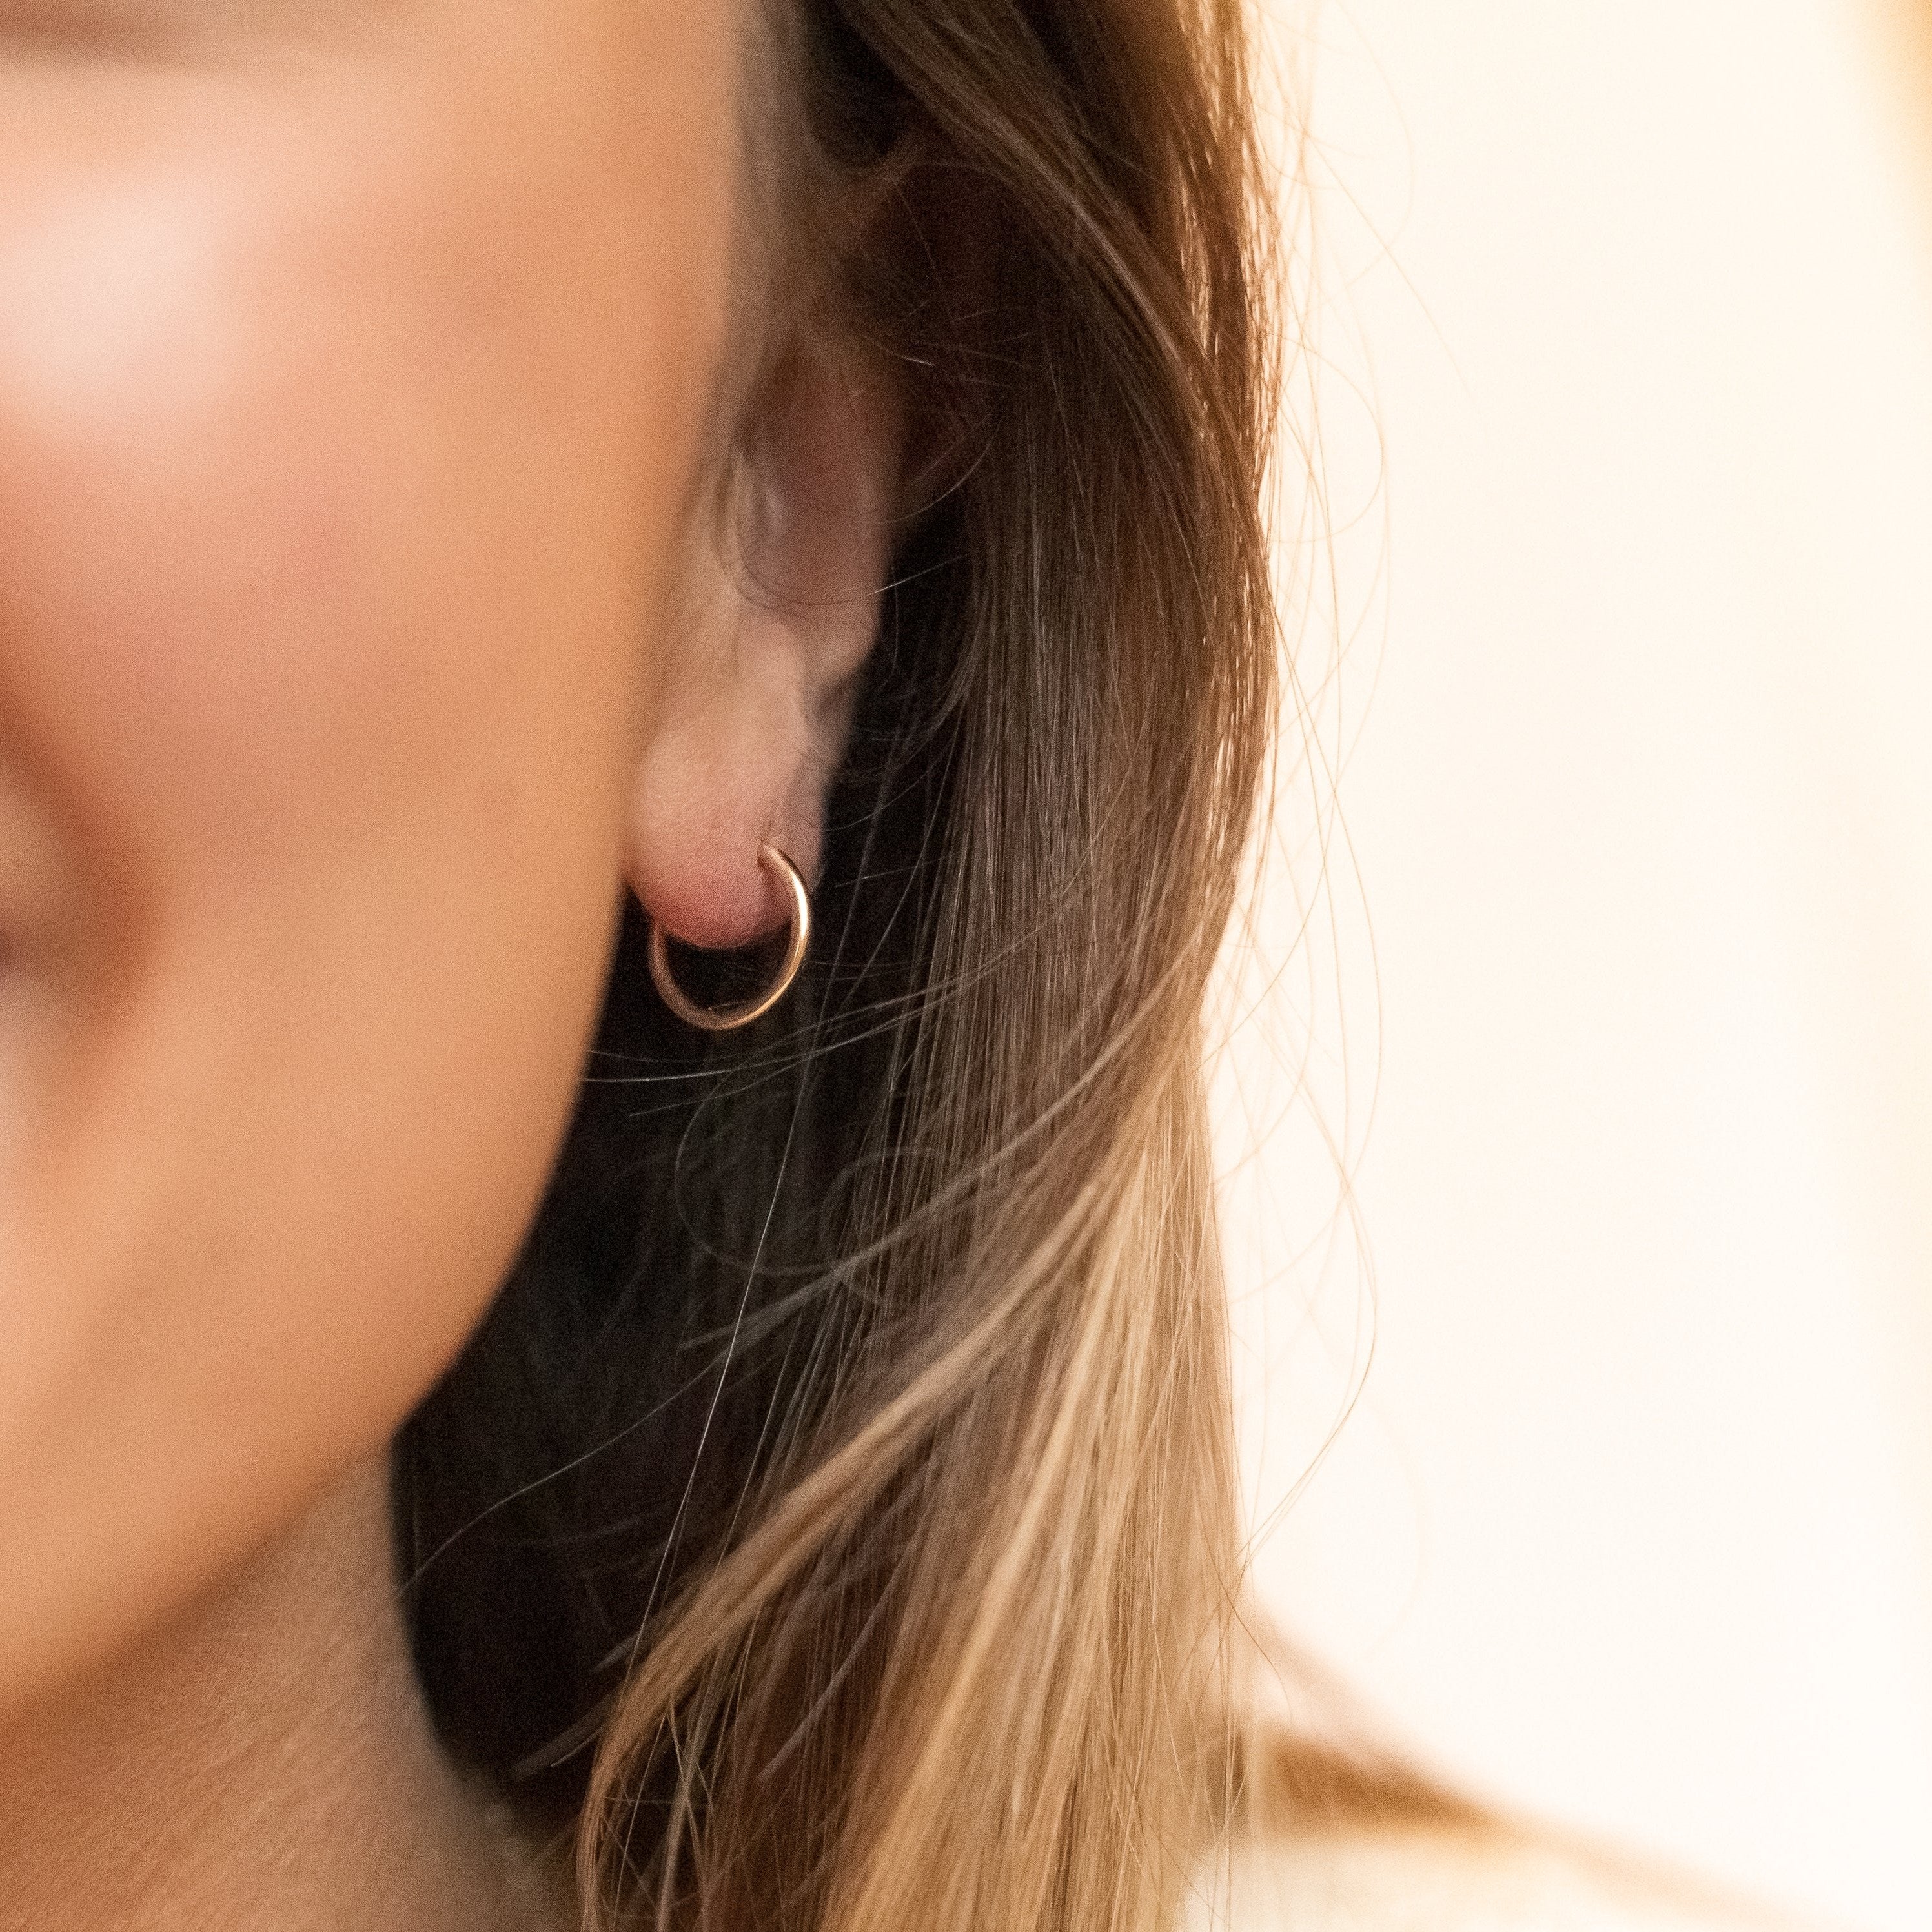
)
(1621, 340)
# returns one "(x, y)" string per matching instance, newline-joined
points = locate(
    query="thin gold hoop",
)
(728, 1019)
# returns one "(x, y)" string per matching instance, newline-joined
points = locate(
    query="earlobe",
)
(756, 684)
(779, 869)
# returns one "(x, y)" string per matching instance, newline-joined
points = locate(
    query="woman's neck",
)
(265, 1762)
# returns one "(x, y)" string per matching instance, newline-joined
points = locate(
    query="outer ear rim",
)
(783, 604)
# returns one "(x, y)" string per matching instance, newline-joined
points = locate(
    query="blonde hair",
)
(962, 1665)
(944, 1637)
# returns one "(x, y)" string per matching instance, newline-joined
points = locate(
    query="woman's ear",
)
(753, 694)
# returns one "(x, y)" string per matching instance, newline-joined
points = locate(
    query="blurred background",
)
(1594, 1099)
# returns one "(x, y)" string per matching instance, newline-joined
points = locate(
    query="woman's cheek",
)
(333, 501)
(318, 634)
(246, 601)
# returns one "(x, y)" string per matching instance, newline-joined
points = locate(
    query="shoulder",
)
(1454, 1879)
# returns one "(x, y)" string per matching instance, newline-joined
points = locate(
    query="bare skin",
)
(412, 539)
(263, 1760)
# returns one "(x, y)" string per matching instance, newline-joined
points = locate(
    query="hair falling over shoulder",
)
(836, 1520)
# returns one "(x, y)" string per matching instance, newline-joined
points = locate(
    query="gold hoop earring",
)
(728, 1019)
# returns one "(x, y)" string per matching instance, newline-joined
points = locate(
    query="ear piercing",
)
(728, 1019)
